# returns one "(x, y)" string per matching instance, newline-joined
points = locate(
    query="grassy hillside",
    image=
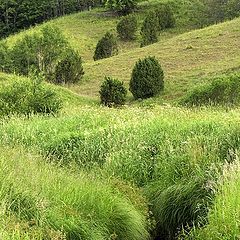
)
(188, 59)
(139, 172)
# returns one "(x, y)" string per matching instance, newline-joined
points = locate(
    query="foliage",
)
(221, 91)
(69, 69)
(16, 15)
(39, 51)
(165, 17)
(149, 29)
(112, 92)
(4, 57)
(224, 214)
(27, 97)
(147, 78)
(127, 27)
(106, 47)
(122, 6)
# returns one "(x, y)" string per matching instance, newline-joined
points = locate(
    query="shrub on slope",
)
(222, 91)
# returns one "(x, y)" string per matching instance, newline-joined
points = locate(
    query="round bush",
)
(165, 17)
(70, 69)
(147, 78)
(127, 27)
(112, 92)
(106, 47)
(149, 30)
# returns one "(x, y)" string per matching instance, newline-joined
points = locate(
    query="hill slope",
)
(187, 59)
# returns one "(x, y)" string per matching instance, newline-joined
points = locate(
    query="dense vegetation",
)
(16, 15)
(71, 168)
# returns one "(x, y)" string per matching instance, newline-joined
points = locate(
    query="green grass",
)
(187, 59)
(97, 173)
(223, 219)
(162, 150)
(40, 201)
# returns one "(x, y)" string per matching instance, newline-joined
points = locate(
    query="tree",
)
(122, 6)
(39, 51)
(165, 17)
(147, 78)
(112, 92)
(69, 69)
(127, 27)
(149, 30)
(106, 47)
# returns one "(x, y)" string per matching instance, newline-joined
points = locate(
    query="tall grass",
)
(39, 199)
(172, 153)
(224, 215)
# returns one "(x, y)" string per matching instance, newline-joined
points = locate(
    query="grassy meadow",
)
(148, 170)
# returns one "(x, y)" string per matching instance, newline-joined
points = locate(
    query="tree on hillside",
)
(127, 27)
(149, 30)
(123, 7)
(15, 14)
(147, 78)
(106, 47)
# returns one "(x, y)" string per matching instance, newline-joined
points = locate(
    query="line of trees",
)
(19, 14)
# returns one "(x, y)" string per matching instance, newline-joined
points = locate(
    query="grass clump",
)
(178, 206)
(221, 91)
(224, 215)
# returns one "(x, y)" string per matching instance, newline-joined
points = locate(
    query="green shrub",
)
(221, 91)
(106, 47)
(127, 27)
(165, 17)
(27, 97)
(112, 92)
(69, 69)
(147, 78)
(149, 30)
(121, 6)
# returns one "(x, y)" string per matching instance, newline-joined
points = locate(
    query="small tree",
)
(106, 47)
(149, 30)
(40, 51)
(127, 27)
(165, 17)
(69, 69)
(122, 6)
(147, 78)
(112, 92)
